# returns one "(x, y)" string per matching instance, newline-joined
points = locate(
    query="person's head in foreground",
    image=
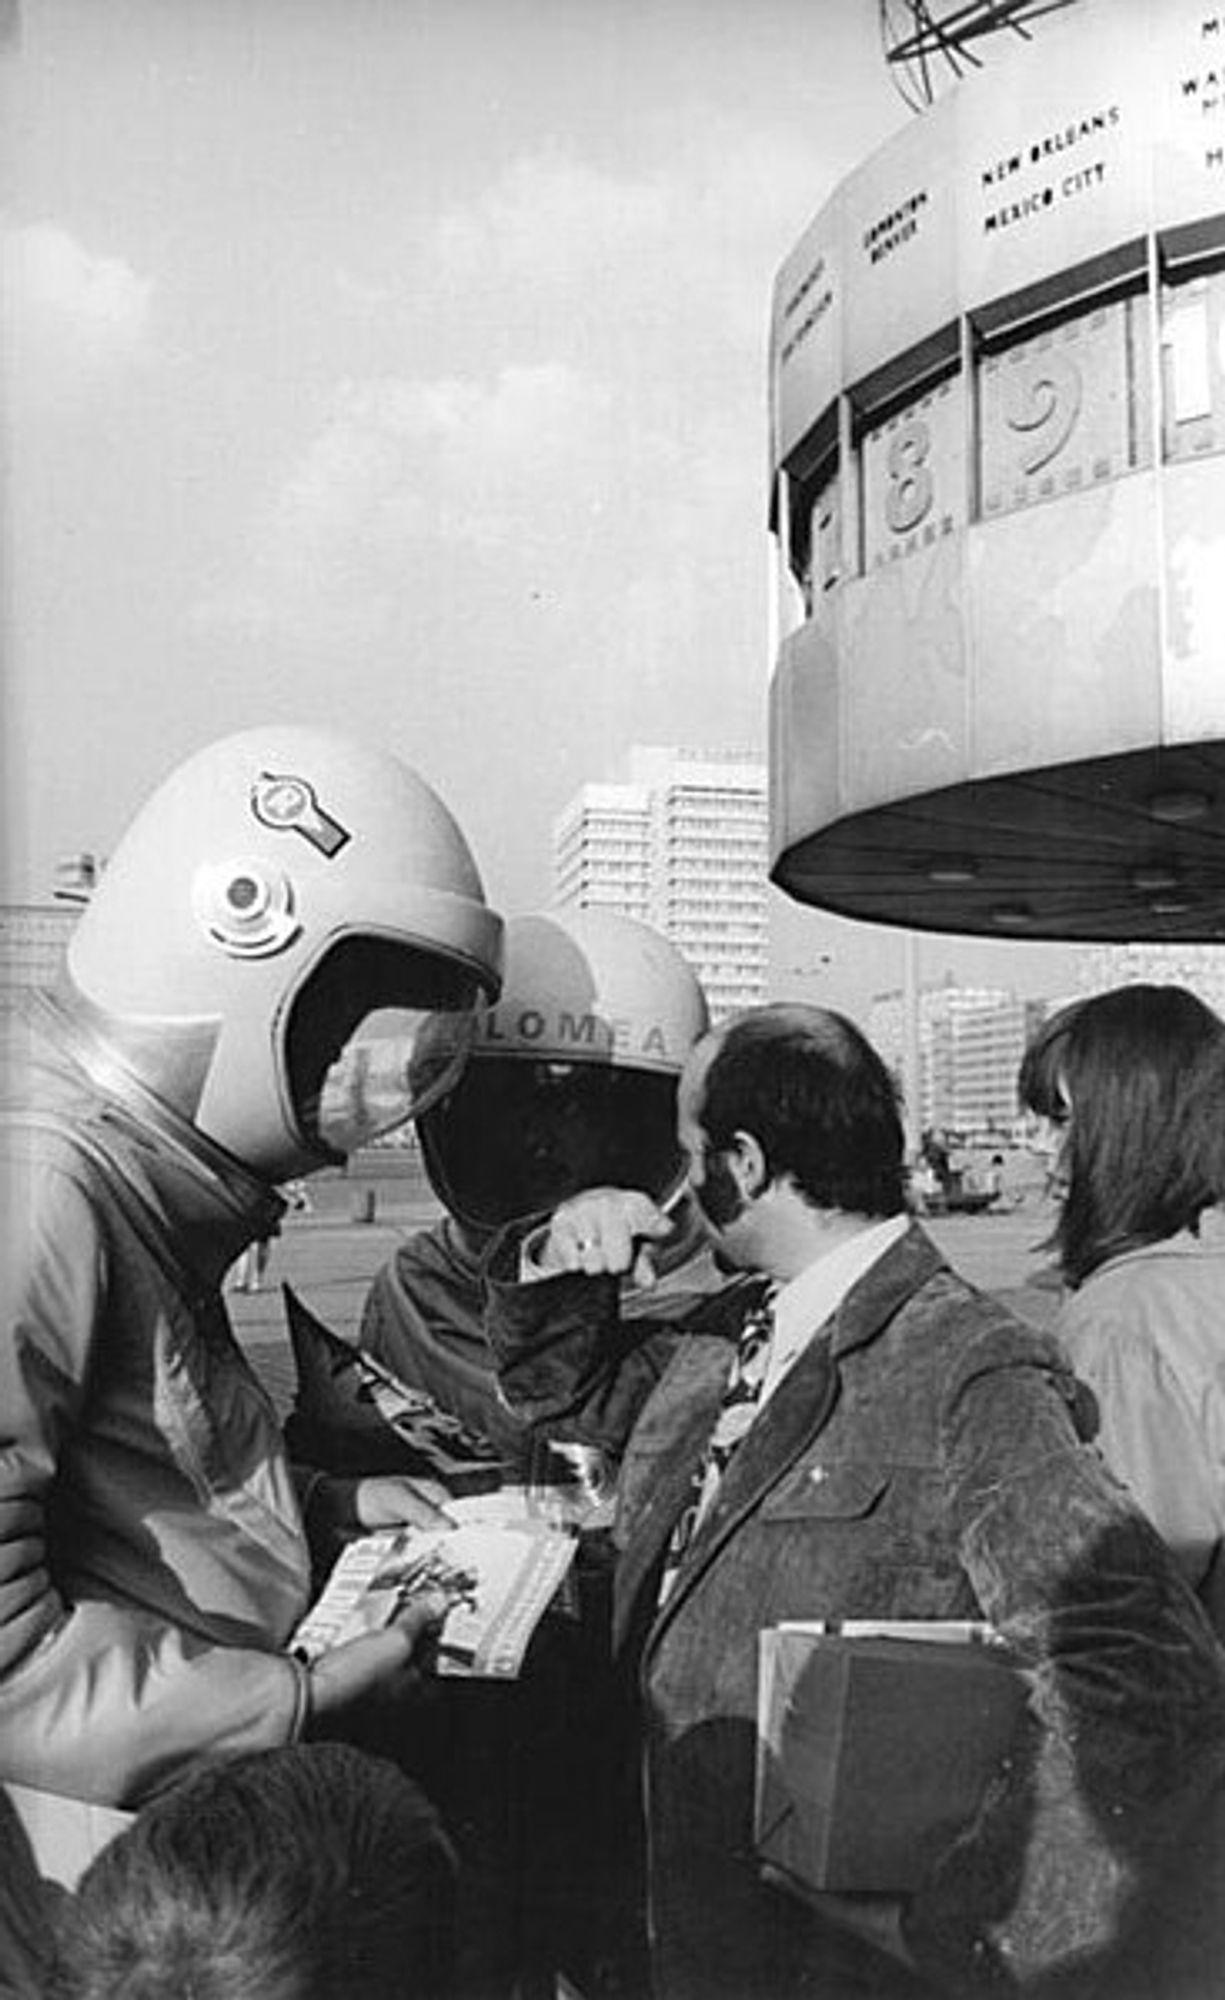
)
(312, 1872)
(1132, 1083)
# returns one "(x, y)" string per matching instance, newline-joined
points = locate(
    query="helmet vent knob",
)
(244, 909)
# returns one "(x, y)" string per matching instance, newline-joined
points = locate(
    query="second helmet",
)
(572, 1078)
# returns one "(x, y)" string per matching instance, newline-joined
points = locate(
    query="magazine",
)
(498, 1579)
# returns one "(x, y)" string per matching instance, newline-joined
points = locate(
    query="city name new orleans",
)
(1078, 180)
(1050, 145)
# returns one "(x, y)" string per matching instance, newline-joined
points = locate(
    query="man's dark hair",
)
(1141, 1070)
(313, 1872)
(819, 1101)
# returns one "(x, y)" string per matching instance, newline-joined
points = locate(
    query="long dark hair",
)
(1142, 1071)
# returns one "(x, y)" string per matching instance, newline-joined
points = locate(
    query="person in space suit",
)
(286, 921)
(571, 1084)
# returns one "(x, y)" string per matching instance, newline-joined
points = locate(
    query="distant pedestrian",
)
(924, 1186)
(247, 1272)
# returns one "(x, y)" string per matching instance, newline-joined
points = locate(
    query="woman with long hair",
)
(1133, 1083)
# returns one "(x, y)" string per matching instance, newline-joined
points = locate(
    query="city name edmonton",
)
(894, 228)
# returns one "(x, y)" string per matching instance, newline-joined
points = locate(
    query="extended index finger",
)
(423, 1615)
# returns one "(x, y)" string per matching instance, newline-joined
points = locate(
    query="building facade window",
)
(682, 842)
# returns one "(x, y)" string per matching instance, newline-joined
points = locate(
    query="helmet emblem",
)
(289, 805)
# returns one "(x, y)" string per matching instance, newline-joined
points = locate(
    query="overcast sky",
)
(402, 366)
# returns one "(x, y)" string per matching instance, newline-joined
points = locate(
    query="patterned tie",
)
(737, 1409)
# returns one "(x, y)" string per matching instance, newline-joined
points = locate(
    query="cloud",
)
(549, 220)
(560, 452)
(538, 475)
(361, 296)
(73, 317)
(562, 255)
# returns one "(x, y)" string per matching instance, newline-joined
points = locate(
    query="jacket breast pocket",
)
(847, 1492)
(863, 1539)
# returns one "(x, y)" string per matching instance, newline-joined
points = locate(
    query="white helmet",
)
(572, 1079)
(283, 889)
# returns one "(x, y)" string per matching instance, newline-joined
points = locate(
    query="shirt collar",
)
(806, 1302)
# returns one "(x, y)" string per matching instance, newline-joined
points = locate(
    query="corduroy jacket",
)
(923, 1459)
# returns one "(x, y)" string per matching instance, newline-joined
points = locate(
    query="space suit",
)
(274, 936)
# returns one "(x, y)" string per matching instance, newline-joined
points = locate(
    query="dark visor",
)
(515, 1136)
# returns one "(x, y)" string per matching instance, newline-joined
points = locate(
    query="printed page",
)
(498, 1580)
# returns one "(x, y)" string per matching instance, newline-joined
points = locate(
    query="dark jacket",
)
(921, 1460)
(423, 1319)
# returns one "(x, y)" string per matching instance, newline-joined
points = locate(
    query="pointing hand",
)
(606, 1230)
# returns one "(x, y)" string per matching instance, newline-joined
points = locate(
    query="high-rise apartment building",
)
(34, 936)
(602, 851)
(33, 939)
(681, 842)
(971, 1040)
